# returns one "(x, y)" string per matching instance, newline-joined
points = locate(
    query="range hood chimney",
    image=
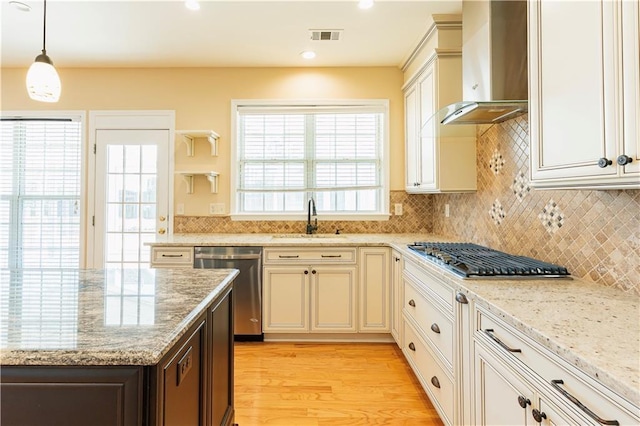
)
(494, 63)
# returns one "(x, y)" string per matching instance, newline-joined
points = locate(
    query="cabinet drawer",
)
(430, 283)
(434, 380)
(165, 257)
(315, 256)
(560, 378)
(437, 327)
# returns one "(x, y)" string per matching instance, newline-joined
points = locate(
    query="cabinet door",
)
(333, 298)
(374, 290)
(411, 128)
(221, 365)
(572, 71)
(631, 85)
(427, 132)
(397, 296)
(286, 299)
(184, 386)
(499, 392)
(551, 415)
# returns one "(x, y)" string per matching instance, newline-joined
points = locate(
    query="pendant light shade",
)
(43, 82)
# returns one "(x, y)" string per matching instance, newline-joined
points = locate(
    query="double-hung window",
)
(286, 153)
(40, 184)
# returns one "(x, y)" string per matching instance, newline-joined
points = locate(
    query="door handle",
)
(162, 231)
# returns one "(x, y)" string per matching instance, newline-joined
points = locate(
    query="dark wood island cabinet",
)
(172, 365)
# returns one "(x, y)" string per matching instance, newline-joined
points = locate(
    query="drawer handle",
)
(556, 385)
(282, 256)
(489, 332)
(331, 255)
(412, 303)
(523, 402)
(435, 382)
(172, 255)
(435, 328)
(538, 415)
(412, 346)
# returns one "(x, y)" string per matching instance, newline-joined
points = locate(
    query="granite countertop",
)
(101, 317)
(593, 327)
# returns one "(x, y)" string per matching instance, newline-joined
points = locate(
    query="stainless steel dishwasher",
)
(247, 287)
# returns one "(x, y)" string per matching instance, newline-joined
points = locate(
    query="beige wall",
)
(201, 98)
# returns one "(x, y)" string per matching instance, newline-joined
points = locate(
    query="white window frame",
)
(82, 117)
(236, 104)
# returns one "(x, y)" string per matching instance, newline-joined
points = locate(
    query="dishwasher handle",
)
(227, 256)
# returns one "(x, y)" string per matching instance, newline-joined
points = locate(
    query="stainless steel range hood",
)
(494, 58)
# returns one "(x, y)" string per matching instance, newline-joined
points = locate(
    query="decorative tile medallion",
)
(520, 186)
(551, 217)
(497, 213)
(497, 162)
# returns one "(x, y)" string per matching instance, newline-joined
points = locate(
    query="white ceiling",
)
(221, 34)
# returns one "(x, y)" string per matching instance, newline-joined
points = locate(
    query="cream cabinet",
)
(309, 290)
(519, 382)
(374, 290)
(172, 257)
(396, 296)
(584, 94)
(437, 158)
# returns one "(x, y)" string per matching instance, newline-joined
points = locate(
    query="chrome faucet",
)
(311, 211)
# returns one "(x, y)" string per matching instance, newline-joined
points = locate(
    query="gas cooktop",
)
(468, 260)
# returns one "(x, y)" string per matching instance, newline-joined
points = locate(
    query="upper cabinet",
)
(584, 94)
(438, 158)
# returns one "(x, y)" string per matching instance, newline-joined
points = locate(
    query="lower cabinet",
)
(191, 385)
(326, 290)
(503, 398)
(396, 296)
(303, 299)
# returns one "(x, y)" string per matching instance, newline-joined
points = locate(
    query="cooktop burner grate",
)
(469, 260)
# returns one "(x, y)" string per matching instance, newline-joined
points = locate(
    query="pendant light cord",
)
(44, 32)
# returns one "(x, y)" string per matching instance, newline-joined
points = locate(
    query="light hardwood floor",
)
(327, 384)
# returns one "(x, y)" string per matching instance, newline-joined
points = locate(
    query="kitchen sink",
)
(308, 236)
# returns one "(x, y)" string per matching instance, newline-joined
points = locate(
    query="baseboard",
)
(329, 337)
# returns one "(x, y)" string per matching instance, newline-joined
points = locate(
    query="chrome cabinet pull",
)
(412, 303)
(435, 328)
(412, 346)
(435, 382)
(282, 256)
(556, 385)
(489, 332)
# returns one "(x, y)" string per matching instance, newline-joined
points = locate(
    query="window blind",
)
(40, 183)
(286, 155)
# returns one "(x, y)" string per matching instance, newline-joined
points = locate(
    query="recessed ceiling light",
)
(308, 54)
(192, 4)
(20, 6)
(365, 4)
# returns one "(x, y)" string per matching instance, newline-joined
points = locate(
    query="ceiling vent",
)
(326, 35)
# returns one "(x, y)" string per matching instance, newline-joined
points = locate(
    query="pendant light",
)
(43, 82)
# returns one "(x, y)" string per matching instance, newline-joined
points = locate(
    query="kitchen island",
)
(116, 347)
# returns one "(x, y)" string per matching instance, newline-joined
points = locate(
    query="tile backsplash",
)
(595, 234)
(415, 218)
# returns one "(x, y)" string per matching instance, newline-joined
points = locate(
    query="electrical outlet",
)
(216, 208)
(180, 208)
(397, 209)
(446, 210)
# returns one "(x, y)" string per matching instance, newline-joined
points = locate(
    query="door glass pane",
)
(132, 158)
(149, 157)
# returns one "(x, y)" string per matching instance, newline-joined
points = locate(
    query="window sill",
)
(280, 217)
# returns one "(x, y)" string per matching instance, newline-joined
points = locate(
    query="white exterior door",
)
(131, 195)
